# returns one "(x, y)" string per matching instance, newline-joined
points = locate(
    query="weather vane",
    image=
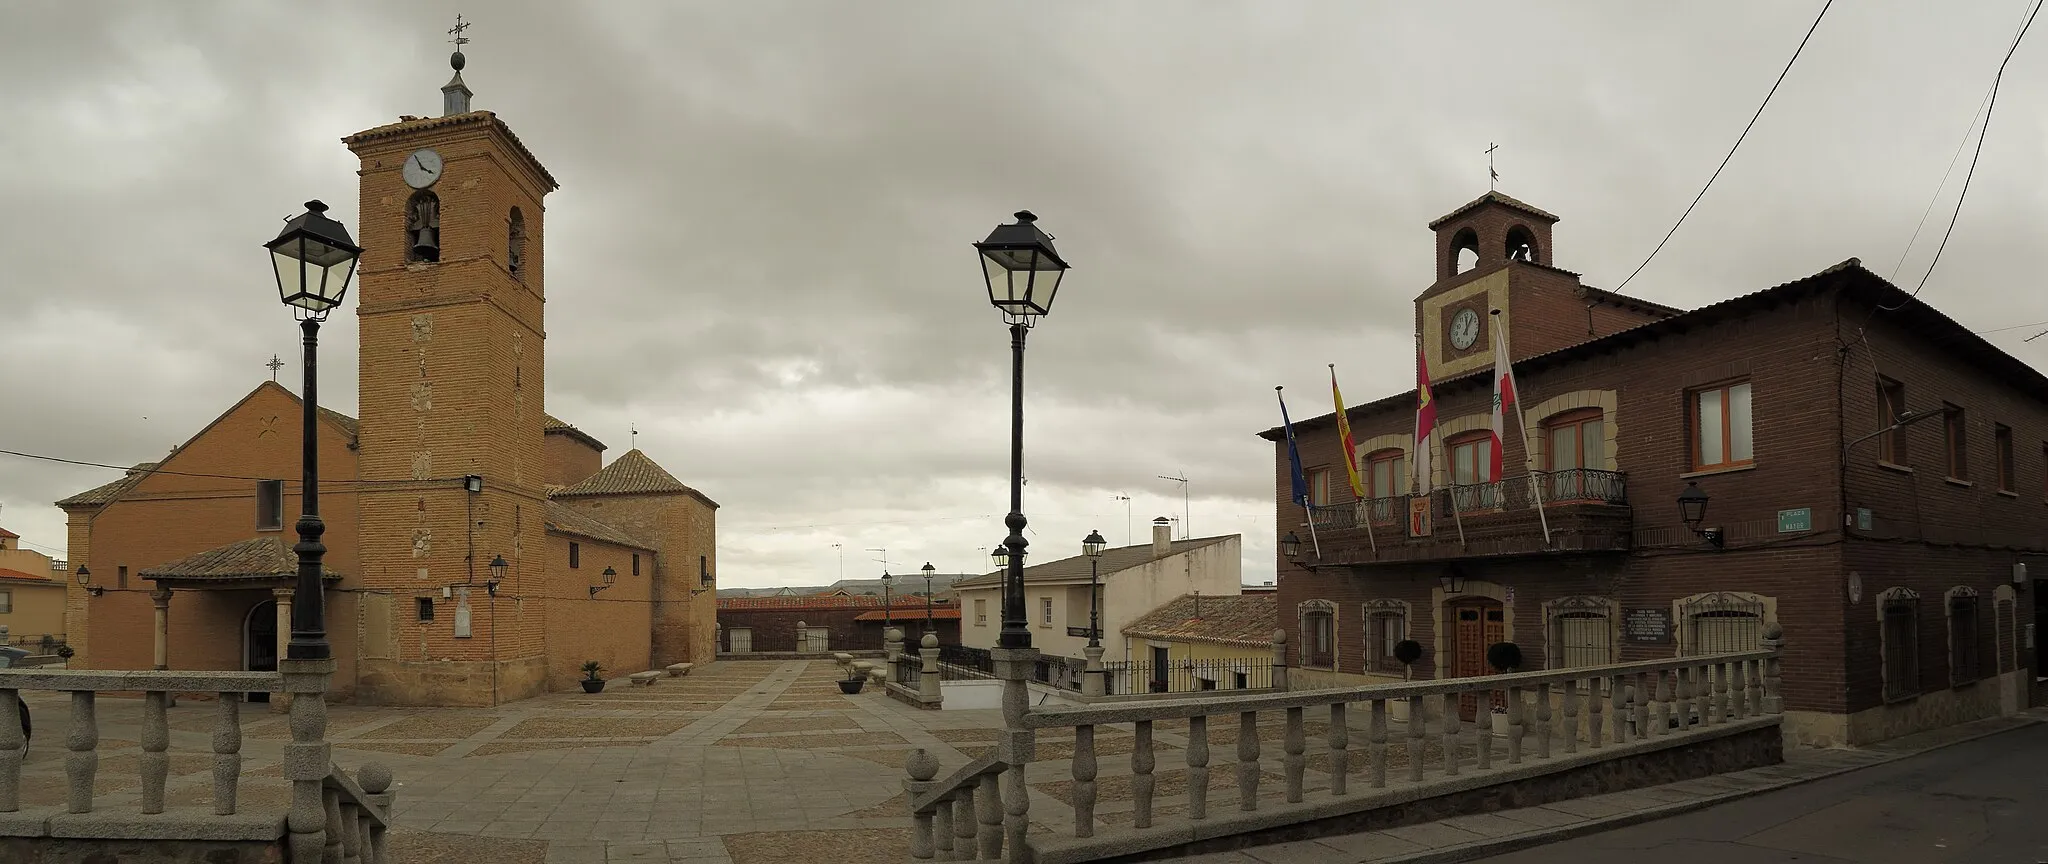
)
(1494, 182)
(274, 364)
(456, 31)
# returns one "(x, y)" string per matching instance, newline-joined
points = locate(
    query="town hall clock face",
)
(1464, 329)
(422, 168)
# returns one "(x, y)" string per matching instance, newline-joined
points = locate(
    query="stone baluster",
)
(156, 740)
(83, 762)
(1543, 730)
(965, 824)
(227, 752)
(1738, 689)
(921, 767)
(345, 825)
(1596, 712)
(1639, 700)
(1662, 723)
(1514, 725)
(1618, 689)
(1418, 734)
(1084, 780)
(1702, 680)
(1340, 757)
(1721, 673)
(331, 846)
(1774, 641)
(1141, 775)
(1248, 761)
(988, 810)
(1292, 746)
(1280, 682)
(942, 829)
(1451, 733)
(1376, 746)
(362, 829)
(375, 779)
(1482, 738)
(1198, 767)
(1570, 733)
(11, 747)
(308, 757)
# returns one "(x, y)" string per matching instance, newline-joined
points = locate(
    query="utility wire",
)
(1731, 151)
(323, 481)
(1990, 105)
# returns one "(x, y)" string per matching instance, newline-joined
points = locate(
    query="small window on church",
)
(423, 227)
(515, 245)
(1464, 251)
(269, 505)
(575, 555)
(425, 607)
(1521, 244)
(636, 564)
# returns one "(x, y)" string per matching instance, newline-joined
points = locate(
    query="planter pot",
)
(851, 686)
(1500, 725)
(592, 685)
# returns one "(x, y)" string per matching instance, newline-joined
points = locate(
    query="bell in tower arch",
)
(423, 227)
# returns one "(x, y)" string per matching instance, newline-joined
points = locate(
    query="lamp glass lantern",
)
(1290, 546)
(1093, 544)
(1692, 505)
(498, 568)
(1021, 268)
(84, 575)
(1453, 582)
(610, 575)
(314, 258)
(1001, 556)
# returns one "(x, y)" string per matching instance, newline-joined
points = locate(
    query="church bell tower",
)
(451, 291)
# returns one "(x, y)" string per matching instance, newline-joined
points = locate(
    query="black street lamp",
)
(887, 621)
(1023, 275)
(314, 259)
(1092, 546)
(1692, 509)
(498, 567)
(927, 568)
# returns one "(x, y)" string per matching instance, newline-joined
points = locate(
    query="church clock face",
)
(422, 168)
(1464, 329)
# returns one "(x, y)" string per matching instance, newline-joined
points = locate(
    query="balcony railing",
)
(1556, 489)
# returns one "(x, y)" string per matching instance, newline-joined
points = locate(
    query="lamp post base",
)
(1092, 683)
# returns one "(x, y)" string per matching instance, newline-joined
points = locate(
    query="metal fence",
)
(1573, 485)
(1188, 676)
(961, 663)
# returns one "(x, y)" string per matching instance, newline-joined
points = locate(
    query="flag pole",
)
(1351, 470)
(1294, 460)
(1451, 468)
(1528, 454)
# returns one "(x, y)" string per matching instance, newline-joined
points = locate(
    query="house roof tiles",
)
(257, 559)
(1247, 619)
(563, 519)
(1113, 561)
(632, 474)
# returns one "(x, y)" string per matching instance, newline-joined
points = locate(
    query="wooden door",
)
(1473, 625)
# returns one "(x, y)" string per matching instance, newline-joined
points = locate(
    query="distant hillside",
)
(941, 583)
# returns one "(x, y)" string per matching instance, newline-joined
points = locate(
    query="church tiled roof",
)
(632, 474)
(258, 559)
(564, 519)
(99, 495)
(410, 125)
(1496, 198)
(552, 425)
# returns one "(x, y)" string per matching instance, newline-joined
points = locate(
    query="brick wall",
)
(684, 530)
(775, 629)
(570, 461)
(610, 627)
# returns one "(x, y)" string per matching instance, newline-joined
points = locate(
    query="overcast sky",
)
(759, 253)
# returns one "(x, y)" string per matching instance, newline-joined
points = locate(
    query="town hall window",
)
(1318, 633)
(1319, 487)
(1899, 630)
(1720, 427)
(1956, 441)
(1472, 471)
(269, 505)
(1385, 475)
(1964, 661)
(1891, 406)
(1386, 625)
(1572, 441)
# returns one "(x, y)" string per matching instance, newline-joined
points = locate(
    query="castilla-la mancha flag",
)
(1425, 421)
(1503, 402)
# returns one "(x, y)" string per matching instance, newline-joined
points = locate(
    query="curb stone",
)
(1541, 837)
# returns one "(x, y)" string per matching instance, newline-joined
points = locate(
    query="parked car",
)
(9, 656)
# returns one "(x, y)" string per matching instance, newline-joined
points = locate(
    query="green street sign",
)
(1793, 521)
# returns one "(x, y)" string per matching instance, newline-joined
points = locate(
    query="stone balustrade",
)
(329, 814)
(1554, 720)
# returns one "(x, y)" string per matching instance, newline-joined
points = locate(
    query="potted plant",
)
(1504, 657)
(593, 680)
(851, 684)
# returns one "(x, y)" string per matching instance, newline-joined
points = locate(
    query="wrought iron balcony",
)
(1586, 509)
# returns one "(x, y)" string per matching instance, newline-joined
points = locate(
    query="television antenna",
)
(884, 560)
(1186, 509)
(1127, 517)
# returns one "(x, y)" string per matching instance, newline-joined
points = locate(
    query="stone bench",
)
(678, 670)
(861, 668)
(645, 679)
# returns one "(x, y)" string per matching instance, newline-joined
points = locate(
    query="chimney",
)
(1162, 537)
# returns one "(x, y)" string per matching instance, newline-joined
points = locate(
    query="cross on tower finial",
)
(456, 31)
(634, 431)
(1493, 176)
(274, 364)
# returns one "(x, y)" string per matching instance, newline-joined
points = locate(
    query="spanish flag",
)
(1425, 420)
(1344, 437)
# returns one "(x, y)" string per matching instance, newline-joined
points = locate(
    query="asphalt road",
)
(1982, 802)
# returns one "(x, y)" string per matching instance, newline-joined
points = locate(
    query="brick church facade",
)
(452, 461)
(1902, 559)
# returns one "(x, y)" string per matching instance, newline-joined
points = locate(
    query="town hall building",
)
(451, 464)
(1860, 472)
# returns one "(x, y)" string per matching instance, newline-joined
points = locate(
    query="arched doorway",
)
(1473, 624)
(259, 642)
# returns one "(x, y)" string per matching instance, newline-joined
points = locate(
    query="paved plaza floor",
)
(742, 761)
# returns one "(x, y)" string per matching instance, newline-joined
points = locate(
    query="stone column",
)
(281, 703)
(1016, 747)
(308, 757)
(928, 675)
(161, 598)
(1091, 680)
(1774, 642)
(1280, 660)
(892, 644)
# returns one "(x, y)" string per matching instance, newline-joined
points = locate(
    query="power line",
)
(131, 468)
(1990, 105)
(1731, 151)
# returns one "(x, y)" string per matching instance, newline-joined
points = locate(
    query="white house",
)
(1135, 580)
